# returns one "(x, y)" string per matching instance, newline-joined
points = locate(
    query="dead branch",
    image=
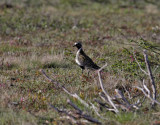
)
(109, 109)
(139, 103)
(82, 114)
(65, 90)
(70, 94)
(129, 95)
(115, 99)
(150, 76)
(95, 109)
(139, 64)
(104, 98)
(147, 95)
(101, 103)
(74, 106)
(68, 115)
(62, 111)
(145, 90)
(155, 69)
(120, 94)
(126, 104)
(106, 94)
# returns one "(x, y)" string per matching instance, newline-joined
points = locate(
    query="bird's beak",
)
(74, 45)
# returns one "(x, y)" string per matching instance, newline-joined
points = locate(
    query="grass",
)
(40, 34)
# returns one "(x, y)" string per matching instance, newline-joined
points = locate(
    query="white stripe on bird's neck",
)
(77, 56)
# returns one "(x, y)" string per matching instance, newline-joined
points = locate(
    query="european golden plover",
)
(84, 61)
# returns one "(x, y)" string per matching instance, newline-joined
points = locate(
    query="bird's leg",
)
(88, 73)
(82, 71)
(82, 67)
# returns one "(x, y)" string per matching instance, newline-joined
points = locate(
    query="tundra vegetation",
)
(40, 82)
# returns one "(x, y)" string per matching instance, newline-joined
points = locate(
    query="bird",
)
(84, 61)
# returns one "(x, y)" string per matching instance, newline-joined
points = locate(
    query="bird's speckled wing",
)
(88, 63)
(83, 60)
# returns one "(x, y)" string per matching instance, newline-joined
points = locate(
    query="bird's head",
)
(78, 45)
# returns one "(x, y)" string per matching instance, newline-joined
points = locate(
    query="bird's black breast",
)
(82, 67)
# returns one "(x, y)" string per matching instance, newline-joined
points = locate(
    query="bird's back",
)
(87, 62)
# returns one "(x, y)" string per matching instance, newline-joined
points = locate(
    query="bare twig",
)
(129, 95)
(105, 106)
(72, 95)
(139, 64)
(62, 111)
(82, 115)
(96, 110)
(75, 96)
(104, 98)
(146, 88)
(148, 73)
(139, 103)
(155, 69)
(65, 90)
(127, 105)
(150, 76)
(101, 103)
(122, 96)
(102, 87)
(147, 95)
(74, 106)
